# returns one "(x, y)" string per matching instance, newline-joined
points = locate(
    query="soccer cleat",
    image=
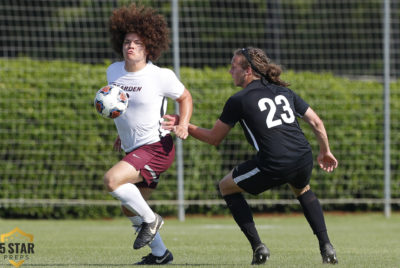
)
(328, 254)
(260, 255)
(154, 260)
(147, 232)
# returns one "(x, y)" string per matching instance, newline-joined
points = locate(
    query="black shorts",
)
(253, 180)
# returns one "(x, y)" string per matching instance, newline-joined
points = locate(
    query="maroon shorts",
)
(152, 160)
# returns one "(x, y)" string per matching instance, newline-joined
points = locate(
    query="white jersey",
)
(147, 91)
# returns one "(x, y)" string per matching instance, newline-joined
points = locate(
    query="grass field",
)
(361, 240)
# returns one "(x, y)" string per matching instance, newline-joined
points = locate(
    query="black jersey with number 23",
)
(267, 114)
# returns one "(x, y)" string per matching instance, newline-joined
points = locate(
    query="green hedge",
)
(53, 145)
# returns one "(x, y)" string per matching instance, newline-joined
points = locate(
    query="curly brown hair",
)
(144, 21)
(261, 63)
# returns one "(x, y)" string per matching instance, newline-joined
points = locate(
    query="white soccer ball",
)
(111, 101)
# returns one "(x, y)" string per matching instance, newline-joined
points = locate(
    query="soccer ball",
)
(111, 101)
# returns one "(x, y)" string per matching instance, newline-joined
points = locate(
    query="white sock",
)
(157, 246)
(132, 199)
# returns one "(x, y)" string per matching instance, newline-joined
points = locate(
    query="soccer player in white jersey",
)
(140, 35)
(266, 109)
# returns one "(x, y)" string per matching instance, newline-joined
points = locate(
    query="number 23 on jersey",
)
(287, 116)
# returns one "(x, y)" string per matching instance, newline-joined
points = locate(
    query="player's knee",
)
(300, 191)
(222, 187)
(227, 186)
(110, 182)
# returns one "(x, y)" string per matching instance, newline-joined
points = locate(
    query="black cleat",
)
(328, 254)
(154, 260)
(147, 232)
(260, 255)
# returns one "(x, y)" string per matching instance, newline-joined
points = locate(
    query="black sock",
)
(313, 212)
(241, 212)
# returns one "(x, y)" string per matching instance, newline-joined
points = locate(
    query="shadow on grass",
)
(121, 264)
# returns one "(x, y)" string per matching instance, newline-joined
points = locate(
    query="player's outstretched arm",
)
(212, 136)
(326, 159)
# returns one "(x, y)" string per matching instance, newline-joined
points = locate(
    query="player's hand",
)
(170, 121)
(327, 161)
(117, 144)
(181, 131)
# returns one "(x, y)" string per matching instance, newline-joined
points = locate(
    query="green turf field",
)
(361, 240)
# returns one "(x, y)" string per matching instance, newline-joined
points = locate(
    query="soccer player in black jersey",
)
(267, 110)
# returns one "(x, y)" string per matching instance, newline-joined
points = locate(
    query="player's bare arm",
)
(326, 159)
(212, 136)
(185, 111)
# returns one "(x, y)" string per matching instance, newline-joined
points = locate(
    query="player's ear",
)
(249, 71)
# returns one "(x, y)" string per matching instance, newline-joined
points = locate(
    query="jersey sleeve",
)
(109, 75)
(113, 72)
(172, 87)
(300, 105)
(231, 113)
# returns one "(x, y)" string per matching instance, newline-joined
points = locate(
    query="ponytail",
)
(262, 66)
